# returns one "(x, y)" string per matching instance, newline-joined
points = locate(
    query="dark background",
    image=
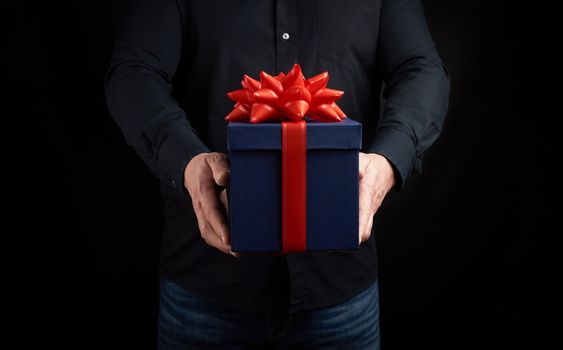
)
(455, 248)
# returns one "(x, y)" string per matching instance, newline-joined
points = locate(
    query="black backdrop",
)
(455, 247)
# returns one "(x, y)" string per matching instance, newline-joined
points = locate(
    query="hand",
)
(205, 178)
(376, 179)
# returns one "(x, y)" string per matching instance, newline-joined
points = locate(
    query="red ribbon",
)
(294, 186)
(288, 98)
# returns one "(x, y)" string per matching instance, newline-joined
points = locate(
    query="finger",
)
(211, 208)
(366, 206)
(219, 164)
(211, 238)
(224, 200)
(367, 232)
(199, 215)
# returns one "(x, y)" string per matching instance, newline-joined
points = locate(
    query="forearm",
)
(415, 108)
(416, 92)
(139, 90)
(151, 120)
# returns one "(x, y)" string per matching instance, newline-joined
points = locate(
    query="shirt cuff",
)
(174, 155)
(399, 149)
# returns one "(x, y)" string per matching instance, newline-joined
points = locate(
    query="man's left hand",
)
(376, 179)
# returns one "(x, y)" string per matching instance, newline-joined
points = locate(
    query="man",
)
(174, 61)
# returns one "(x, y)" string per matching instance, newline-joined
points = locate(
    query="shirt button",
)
(285, 36)
(173, 183)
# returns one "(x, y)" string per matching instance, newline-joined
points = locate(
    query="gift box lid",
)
(346, 134)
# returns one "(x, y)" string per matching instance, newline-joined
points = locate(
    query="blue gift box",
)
(255, 197)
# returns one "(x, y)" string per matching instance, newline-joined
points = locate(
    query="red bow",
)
(285, 96)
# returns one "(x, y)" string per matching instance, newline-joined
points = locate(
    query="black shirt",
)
(174, 61)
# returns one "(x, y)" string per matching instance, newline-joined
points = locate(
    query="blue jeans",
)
(187, 321)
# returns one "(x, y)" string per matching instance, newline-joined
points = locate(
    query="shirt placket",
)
(286, 35)
(287, 51)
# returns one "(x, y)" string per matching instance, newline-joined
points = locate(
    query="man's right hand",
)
(205, 178)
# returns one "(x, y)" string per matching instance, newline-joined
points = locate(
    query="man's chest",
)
(345, 32)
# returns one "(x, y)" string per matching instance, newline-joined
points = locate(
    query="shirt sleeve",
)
(417, 86)
(138, 89)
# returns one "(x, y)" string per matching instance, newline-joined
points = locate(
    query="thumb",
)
(219, 165)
